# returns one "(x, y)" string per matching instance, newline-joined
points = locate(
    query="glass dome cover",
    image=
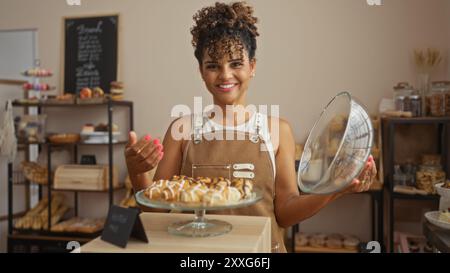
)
(337, 147)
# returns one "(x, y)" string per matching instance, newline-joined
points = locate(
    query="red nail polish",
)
(148, 137)
(156, 141)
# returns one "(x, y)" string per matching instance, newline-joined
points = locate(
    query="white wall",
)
(308, 51)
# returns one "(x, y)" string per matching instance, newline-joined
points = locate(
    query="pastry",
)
(88, 128)
(444, 216)
(351, 242)
(301, 239)
(206, 190)
(245, 186)
(334, 243)
(194, 193)
(214, 197)
(317, 241)
(116, 91)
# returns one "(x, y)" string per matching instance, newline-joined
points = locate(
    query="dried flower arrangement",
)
(427, 59)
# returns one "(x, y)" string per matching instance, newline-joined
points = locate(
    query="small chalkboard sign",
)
(90, 52)
(121, 224)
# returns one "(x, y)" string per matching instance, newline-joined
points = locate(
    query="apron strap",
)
(197, 125)
(255, 137)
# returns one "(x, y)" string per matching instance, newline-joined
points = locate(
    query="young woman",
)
(224, 38)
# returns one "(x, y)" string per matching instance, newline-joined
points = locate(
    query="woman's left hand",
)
(365, 179)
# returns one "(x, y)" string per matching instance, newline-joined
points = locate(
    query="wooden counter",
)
(250, 234)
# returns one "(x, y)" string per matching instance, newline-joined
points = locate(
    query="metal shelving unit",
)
(39, 238)
(389, 127)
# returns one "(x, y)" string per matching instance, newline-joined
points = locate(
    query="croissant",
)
(170, 193)
(205, 180)
(244, 186)
(153, 192)
(221, 184)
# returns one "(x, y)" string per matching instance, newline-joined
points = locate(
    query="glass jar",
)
(416, 105)
(438, 98)
(431, 159)
(429, 175)
(402, 93)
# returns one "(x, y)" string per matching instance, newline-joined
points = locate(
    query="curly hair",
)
(224, 29)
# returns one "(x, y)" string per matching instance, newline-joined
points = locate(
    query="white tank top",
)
(249, 127)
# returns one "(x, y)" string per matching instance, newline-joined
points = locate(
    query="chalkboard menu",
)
(90, 52)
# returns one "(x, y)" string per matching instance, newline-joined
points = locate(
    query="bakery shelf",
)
(391, 153)
(46, 240)
(43, 104)
(40, 234)
(310, 249)
(118, 188)
(121, 142)
(418, 120)
(397, 195)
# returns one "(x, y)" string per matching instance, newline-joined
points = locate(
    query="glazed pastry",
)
(210, 191)
(245, 186)
(153, 192)
(233, 195)
(194, 193)
(214, 197)
(170, 193)
(205, 180)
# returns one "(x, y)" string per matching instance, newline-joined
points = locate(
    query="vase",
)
(423, 83)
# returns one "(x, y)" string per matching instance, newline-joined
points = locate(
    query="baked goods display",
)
(91, 133)
(79, 225)
(37, 86)
(322, 242)
(444, 216)
(202, 190)
(428, 176)
(37, 72)
(64, 138)
(128, 201)
(37, 217)
(34, 172)
(116, 90)
(446, 184)
(89, 95)
(66, 98)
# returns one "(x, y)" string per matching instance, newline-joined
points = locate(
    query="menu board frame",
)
(67, 66)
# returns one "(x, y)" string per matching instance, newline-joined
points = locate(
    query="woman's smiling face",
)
(228, 77)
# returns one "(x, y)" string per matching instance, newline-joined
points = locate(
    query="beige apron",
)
(249, 158)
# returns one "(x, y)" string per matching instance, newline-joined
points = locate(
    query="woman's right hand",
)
(142, 155)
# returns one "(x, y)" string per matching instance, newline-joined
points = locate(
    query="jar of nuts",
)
(438, 98)
(429, 175)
